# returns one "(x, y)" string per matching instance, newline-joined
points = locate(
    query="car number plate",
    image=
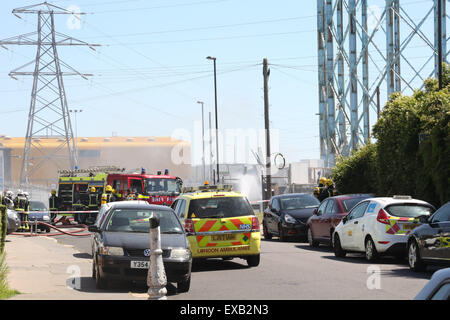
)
(223, 237)
(140, 264)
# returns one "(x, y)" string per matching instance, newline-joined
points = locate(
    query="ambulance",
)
(220, 223)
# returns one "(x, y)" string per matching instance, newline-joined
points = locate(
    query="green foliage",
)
(3, 227)
(412, 152)
(358, 172)
(5, 292)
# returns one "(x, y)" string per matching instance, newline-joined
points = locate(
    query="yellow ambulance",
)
(219, 222)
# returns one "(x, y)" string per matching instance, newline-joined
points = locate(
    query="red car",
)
(328, 215)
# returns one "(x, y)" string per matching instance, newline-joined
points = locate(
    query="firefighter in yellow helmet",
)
(320, 192)
(108, 196)
(53, 205)
(330, 187)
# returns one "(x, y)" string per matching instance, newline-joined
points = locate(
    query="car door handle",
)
(356, 222)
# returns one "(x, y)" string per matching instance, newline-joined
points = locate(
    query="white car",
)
(379, 226)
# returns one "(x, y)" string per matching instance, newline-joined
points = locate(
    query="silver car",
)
(13, 221)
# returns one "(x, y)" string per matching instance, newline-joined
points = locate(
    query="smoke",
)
(248, 185)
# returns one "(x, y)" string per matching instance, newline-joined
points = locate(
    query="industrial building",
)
(152, 153)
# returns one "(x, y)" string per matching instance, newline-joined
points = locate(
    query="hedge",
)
(3, 227)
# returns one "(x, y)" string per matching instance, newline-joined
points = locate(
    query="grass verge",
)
(5, 292)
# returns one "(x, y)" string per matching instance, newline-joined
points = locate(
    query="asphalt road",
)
(288, 271)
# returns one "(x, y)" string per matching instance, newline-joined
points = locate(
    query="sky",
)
(151, 69)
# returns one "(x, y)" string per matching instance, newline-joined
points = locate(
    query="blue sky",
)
(151, 69)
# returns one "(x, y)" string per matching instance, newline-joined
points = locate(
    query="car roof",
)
(391, 200)
(137, 204)
(351, 196)
(286, 195)
(211, 194)
(437, 278)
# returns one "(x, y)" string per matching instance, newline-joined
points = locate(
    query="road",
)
(288, 271)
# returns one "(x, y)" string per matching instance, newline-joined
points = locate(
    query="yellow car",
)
(219, 223)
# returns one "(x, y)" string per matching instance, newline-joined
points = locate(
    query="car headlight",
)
(46, 218)
(289, 219)
(111, 251)
(180, 253)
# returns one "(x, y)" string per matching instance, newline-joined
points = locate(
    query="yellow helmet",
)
(92, 189)
(329, 182)
(323, 180)
(53, 191)
(108, 188)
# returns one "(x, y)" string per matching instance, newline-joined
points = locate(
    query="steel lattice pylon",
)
(363, 50)
(49, 114)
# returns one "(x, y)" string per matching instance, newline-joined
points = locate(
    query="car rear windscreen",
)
(219, 207)
(408, 210)
(137, 220)
(348, 204)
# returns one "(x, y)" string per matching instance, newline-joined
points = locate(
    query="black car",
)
(121, 245)
(430, 243)
(287, 214)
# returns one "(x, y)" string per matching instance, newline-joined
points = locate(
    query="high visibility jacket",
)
(53, 203)
(108, 197)
(93, 200)
(21, 203)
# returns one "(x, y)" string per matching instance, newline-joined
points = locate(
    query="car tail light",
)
(255, 223)
(383, 217)
(189, 226)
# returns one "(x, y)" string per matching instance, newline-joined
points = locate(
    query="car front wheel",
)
(312, 243)
(100, 282)
(267, 234)
(183, 286)
(414, 260)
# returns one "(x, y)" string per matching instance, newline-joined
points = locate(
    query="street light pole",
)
(203, 141)
(217, 125)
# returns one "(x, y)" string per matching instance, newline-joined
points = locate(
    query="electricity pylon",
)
(48, 116)
(367, 47)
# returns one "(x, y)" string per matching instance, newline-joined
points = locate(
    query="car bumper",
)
(119, 268)
(220, 250)
(13, 225)
(295, 230)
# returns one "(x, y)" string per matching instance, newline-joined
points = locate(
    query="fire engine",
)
(74, 185)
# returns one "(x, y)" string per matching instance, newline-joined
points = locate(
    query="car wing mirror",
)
(94, 228)
(315, 212)
(344, 220)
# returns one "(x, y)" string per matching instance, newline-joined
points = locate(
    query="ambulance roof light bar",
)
(208, 188)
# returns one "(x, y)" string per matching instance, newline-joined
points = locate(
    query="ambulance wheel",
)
(371, 250)
(253, 261)
(183, 286)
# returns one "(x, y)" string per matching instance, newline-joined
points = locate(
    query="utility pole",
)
(266, 73)
(49, 110)
(217, 124)
(211, 174)
(439, 29)
(203, 142)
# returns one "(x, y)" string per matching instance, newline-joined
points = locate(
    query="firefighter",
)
(53, 205)
(108, 196)
(9, 202)
(21, 205)
(320, 192)
(93, 199)
(330, 187)
(130, 196)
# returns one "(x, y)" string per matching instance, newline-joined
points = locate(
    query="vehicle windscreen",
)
(37, 206)
(299, 202)
(348, 204)
(219, 207)
(155, 185)
(409, 210)
(137, 220)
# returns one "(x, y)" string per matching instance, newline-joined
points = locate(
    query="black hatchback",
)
(430, 243)
(121, 245)
(287, 215)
